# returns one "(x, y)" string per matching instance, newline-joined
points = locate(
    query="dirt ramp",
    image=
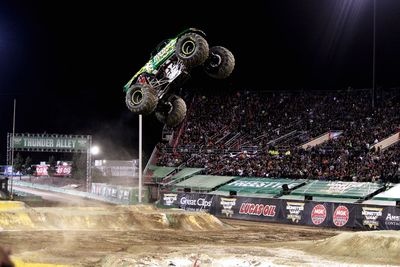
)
(382, 247)
(11, 205)
(198, 221)
(143, 217)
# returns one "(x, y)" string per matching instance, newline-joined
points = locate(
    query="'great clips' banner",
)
(189, 201)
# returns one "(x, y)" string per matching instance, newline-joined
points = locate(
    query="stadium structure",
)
(324, 158)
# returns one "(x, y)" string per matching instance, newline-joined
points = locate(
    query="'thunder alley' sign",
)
(45, 142)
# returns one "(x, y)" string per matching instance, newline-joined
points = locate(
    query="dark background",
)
(66, 61)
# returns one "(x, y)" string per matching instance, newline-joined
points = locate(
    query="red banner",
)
(63, 170)
(41, 170)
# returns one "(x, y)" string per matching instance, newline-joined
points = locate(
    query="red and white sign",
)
(63, 170)
(341, 216)
(257, 209)
(318, 214)
(41, 170)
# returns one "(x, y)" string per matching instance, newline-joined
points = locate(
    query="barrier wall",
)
(105, 198)
(328, 214)
(118, 194)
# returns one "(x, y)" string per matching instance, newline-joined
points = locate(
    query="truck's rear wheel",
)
(173, 111)
(192, 49)
(141, 99)
(220, 62)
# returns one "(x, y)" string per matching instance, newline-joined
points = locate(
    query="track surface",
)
(91, 248)
(235, 243)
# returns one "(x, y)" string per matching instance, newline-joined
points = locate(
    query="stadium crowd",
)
(260, 134)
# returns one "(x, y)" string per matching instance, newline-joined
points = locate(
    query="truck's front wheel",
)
(141, 99)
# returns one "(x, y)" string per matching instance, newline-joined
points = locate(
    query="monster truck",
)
(151, 88)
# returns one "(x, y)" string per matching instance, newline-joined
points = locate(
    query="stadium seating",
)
(260, 134)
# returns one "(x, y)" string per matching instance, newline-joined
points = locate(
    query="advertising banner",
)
(111, 192)
(260, 185)
(63, 170)
(189, 201)
(378, 218)
(390, 219)
(41, 170)
(50, 142)
(342, 215)
(294, 212)
(320, 213)
(327, 214)
(255, 209)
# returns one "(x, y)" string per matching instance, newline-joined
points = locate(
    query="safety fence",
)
(100, 192)
(326, 214)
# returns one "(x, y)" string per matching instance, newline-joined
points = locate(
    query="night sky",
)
(66, 61)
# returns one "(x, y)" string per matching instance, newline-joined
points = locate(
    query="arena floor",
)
(146, 236)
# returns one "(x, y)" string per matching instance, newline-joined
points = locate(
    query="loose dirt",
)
(147, 236)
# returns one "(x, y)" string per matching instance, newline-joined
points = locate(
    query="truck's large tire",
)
(220, 63)
(141, 99)
(175, 114)
(192, 49)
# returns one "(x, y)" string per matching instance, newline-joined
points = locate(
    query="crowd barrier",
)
(326, 214)
(94, 196)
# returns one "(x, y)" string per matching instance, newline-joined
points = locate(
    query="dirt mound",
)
(11, 205)
(143, 217)
(374, 247)
(194, 221)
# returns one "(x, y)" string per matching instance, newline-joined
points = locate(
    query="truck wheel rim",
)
(137, 97)
(188, 47)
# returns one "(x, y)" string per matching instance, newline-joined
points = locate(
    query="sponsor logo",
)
(342, 187)
(295, 210)
(169, 199)
(202, 202)
(341, 216)
(227, 205)
(392, 220)
(261, 184)
(257, 209)
(82, 142)
(318, 214)
(17, 141)
(371, 216)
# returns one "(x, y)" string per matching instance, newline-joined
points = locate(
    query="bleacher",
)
(336, 191)
(257, 187)
(156, 174)
(202, 183)
(181, 175)
(386, 198)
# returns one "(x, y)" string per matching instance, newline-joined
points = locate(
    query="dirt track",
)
(115, 235)
(90, 247)
(145, 236)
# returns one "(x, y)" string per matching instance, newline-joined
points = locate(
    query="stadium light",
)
(95, 150)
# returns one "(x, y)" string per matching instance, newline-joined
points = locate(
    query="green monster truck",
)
(150, 89)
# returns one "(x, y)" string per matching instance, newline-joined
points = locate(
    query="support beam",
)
(140, 159)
